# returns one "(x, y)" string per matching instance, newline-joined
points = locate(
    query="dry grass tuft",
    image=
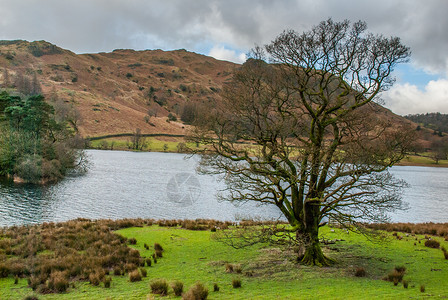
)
(360, 272)
(178, 287)
(135, 276)
(196, 292)
(396, 275)
(236, 283)
(432, 244)
(159, 286)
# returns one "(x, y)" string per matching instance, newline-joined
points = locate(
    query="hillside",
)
(436, 121)
(120, 91)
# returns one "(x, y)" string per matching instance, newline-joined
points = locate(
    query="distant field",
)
(424, 160)
(155, 144)
(172, 144)
(271, 272)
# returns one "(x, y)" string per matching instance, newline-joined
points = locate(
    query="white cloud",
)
(221, 53)
(409, 99)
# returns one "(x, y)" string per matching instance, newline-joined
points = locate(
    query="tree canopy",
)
(34, 146)
(298, 128)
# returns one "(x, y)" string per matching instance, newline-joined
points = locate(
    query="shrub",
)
(31, 297)
(172, 117)
(445, 253)
(148, 261)
(141, 262)
(135, 276)
(143, 272)
(157, 246)
(196, 292)
(132, 241)
(432, 244)
(94, 279)
(360, 272)
(58, 282)
(237, 268)
(236, 283)
(178, 287)
(117, 271)
(107, 281)
(215, 287)
(35, 281)
(159, 253)
(229, 268)
(396, 275)
(129, 267)
(159, 286)
(4, 271)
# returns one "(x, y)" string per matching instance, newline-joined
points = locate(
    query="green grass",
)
(424, 159)
(191, 256)
(152, 144)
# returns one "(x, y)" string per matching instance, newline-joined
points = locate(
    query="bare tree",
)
(301, 132)
(138, 141)
(35, 88)
(6, 81)
(439, 149)
(67, 112)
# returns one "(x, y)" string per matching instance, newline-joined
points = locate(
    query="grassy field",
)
(270, 272)
(424, 159)
(155, 144)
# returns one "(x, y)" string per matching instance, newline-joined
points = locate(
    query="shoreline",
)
(138, 222)
(170, 150)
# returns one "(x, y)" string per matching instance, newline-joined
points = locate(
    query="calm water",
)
(164, 185)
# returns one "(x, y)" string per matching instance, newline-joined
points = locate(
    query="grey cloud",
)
(103, 25)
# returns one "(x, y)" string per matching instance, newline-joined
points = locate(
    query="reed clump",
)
(159, 286)
(51, 255)
(196, 292)
(178, 287)
(436, 229)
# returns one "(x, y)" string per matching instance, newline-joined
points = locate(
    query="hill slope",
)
(114, 91)
(121, 91)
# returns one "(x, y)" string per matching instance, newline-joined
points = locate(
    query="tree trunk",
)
(313, 255)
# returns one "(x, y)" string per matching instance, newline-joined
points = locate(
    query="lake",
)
(165, 186)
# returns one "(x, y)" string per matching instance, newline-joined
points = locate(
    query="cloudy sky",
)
(227, 29)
